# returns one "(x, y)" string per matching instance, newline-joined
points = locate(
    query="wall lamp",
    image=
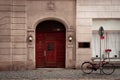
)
(70, 38)
(30, 38)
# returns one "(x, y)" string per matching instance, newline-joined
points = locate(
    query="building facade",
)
(55, 33)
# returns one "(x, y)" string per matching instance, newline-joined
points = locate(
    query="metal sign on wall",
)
(101, 31)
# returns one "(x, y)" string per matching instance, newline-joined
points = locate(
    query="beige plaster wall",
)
(87, 10)
(108, 24)
(13, 46)
(5, 35)
(19, 18)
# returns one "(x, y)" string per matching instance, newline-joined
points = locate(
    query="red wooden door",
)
(50, 50)
(50, 53)
(40, 59)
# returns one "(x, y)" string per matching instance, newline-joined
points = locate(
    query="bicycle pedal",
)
(94, 69)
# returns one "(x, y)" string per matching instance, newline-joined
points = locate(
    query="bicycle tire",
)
(86, 67)
(108, 68)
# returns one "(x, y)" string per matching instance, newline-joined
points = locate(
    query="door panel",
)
(50, 53)
(50, 50)
(40, 59)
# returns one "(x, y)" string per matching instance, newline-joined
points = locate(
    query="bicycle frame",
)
(97, 65)
(90, 66)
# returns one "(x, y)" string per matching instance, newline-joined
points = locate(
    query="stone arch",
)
(45, 63)
(52, 18)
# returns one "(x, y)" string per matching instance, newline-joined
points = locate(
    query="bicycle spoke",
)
(108, 68)
(87, 67)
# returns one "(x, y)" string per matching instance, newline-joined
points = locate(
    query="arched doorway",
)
(50, 44)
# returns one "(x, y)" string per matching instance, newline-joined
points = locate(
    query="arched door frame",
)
(70, 46)
(51, 18)
(55, 19)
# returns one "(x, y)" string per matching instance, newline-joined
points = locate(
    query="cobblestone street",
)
(57, 74)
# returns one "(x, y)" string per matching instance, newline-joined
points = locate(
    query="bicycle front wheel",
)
(108, 68)
(87, 67)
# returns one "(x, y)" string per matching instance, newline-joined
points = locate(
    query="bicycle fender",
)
(87, 62)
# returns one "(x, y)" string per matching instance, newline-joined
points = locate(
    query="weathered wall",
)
(19, 18)
(19, 34)
(108, 24)
(62, 11)
(12, 34)
(5, 35)
(87, 10)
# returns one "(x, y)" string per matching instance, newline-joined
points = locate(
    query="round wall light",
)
(70, 38)
(30, 38)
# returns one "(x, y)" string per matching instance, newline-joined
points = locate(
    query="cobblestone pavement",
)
(57, 74)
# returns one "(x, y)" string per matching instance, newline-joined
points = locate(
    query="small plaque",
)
(83, 44)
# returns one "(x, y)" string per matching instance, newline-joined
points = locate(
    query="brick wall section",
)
(86, 11)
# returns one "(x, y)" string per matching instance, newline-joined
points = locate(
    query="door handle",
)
(44, 52)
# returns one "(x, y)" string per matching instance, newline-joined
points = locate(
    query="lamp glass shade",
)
(70, 38)
(30, 38)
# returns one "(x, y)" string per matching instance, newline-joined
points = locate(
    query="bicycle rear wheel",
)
(87, 68)
(108, 68)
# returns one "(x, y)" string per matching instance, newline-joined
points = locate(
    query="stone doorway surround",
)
(52, 10)
(50, 44)
(70, 47)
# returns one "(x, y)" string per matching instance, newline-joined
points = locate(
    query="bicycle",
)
(106, 67)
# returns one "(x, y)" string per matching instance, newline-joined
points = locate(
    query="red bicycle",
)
(106, 67)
